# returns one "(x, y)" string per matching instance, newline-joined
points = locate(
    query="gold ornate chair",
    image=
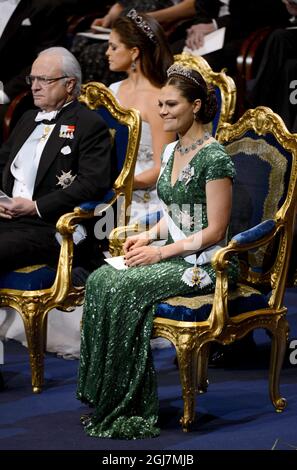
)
(223, 84)
(226, 95)
(265, 191)
(36, 290)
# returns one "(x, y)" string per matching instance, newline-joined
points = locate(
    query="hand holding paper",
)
(212, 42)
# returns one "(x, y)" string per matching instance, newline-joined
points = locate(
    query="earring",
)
(133, 65)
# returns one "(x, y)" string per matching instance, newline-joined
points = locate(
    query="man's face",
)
(50, 95)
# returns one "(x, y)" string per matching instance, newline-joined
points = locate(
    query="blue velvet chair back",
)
(263, 169)
(119, 134)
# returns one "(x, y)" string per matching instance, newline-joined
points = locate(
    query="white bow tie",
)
(44, 115)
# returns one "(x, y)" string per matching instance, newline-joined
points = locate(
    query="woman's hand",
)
(135, 241)
(143, 255)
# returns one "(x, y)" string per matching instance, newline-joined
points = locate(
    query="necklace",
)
(182, 149)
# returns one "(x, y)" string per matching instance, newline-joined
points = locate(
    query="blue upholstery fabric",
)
(251, 155)
(121, 135)
(236, 306)
(33, 278)
(90, 205)
(150, 219)
(255, 233)
(215, 122)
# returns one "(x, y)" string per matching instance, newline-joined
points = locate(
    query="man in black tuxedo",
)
(239, 19)
(54, 160)
(278, 68)
(26, 28)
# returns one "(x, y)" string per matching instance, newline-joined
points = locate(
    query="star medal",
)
(66, 179)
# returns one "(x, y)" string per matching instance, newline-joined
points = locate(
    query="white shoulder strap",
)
(166, 155)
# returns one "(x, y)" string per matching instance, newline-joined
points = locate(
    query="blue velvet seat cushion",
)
(195, 308)
(29, 278)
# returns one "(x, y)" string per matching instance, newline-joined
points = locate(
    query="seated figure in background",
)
(91, 52)
(116, 373)
(26, 28)
(239, 22)
(278, 68)
(138, 46)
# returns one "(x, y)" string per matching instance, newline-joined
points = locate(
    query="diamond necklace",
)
(182, 149)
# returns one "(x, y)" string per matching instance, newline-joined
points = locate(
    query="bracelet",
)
(159, 253)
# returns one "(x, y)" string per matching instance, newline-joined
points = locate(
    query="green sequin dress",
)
(116, 374)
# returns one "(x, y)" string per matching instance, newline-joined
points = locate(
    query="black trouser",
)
(27, 241)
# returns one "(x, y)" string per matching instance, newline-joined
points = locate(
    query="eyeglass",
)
(42, 80)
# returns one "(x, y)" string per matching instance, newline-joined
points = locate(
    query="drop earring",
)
(133, 65)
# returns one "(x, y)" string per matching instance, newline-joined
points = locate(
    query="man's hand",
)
(17, 207)
(195, 34)
(4, 214)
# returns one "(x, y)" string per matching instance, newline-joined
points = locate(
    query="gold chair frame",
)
(192, 339)
(33, 306)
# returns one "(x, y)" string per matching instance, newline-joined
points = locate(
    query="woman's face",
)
(119, 56)
(175, 110)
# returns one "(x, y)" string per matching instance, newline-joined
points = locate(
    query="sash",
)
(192, 276)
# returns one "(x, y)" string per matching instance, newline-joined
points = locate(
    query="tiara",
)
(142, 24)
(179, 70)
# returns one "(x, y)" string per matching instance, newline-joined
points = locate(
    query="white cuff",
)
(4, 99)
(36, 207)
(215, 24)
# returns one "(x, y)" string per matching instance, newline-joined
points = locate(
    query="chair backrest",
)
(18, 106)
(125, 130)
(224, 86)
(265, 155)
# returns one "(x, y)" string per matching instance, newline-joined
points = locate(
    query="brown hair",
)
(194, 87)
(155, 56)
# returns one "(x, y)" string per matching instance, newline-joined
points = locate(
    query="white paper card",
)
(117, 262)
(101, 29)
(100, 37)
(212, 42)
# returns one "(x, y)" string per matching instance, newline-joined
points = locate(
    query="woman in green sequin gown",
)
(116, 373)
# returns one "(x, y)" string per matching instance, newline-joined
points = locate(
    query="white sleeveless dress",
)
(143, 200)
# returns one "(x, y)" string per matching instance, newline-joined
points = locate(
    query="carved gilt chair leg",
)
(278, 349)
(202, 372)
(188, 370)
(35, 330)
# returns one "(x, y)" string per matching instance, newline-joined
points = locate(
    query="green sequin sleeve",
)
(218, 164)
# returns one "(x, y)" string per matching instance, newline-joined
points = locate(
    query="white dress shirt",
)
(224, 9)
(25, 165)
(7, 8)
